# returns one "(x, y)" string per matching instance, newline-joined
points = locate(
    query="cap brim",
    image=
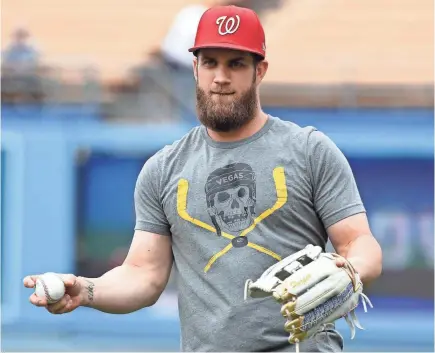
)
(226, 46)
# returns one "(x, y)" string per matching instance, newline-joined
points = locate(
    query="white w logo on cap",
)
(230, 24)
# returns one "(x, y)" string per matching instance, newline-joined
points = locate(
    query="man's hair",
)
(256, 58)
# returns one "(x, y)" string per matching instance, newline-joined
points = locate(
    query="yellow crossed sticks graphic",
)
(281, 193)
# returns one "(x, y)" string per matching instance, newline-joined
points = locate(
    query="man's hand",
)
(77, 293)
(314, 289)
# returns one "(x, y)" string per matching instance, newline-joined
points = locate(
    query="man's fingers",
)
(30, 281)
(339, 262)
(57, 307)
(65, 305)
(69, 280)
(67, 308)
(37, 301)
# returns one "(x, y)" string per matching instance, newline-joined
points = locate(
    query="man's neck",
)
(242, 133)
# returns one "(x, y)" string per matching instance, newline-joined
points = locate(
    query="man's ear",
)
(195, 68)
(262, 67)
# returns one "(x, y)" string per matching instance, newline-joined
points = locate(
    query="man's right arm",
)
(141, 279)
(137, 283)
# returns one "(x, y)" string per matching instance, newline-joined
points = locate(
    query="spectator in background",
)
(20, 53)
(165, 83)
(20, 66)
(180, 36)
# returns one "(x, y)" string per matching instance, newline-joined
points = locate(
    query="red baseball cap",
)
(230, 27)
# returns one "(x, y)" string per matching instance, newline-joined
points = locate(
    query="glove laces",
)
(352, 319)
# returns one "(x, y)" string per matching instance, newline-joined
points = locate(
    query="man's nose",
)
(221, 76)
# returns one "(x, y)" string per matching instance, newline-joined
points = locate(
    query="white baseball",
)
(50, 286)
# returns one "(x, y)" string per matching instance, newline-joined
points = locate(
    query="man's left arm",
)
(352, 239)
(338, 204)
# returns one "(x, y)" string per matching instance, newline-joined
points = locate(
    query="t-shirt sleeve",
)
(150, 216)
(335, 192)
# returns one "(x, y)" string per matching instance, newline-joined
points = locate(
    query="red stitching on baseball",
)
(47, 295)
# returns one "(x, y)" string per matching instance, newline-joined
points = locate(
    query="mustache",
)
(227, 115)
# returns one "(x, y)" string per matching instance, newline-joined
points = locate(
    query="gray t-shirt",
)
(233, 210)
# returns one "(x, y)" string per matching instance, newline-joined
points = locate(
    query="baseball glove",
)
(312, 290)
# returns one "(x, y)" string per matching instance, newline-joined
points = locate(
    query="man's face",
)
(20, 36)
(226, 88)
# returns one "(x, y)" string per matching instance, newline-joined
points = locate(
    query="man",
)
(20, 78)
(20, 53)
(228, 200)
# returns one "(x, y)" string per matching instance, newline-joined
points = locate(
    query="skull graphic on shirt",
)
(231, 197)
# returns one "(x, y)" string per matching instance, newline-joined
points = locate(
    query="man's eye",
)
(236, 64)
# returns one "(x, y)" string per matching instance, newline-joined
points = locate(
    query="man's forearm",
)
(121, 290)
(365, 254)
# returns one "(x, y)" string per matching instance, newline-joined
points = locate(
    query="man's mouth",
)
(223, 93)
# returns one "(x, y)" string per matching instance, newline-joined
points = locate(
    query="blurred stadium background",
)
(91, 89)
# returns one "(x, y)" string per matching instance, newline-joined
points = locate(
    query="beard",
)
(228, 113)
